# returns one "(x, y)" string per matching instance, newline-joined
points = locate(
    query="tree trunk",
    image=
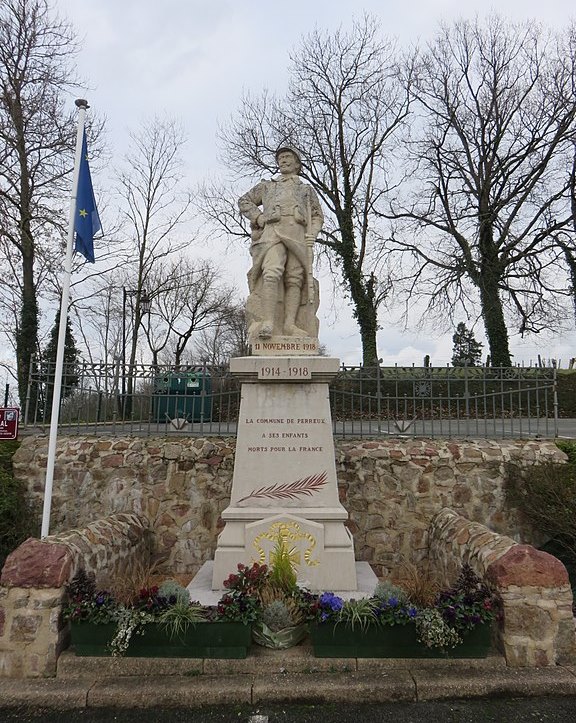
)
(362, 290)
(494, 324)
(487, 280)
(27, 334)
(367, 317)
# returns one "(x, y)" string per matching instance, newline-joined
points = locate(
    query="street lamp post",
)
(145, 304)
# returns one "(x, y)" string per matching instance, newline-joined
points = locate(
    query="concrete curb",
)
(408, 684)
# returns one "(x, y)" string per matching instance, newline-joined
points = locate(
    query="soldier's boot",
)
(291, 306)
(269, 297)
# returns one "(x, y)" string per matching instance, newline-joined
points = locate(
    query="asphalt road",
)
(490, 429)
(493, 710)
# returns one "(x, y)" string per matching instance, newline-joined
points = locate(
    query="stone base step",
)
(260, 662)
(200, 587)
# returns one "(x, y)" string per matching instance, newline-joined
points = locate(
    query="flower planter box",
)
(91, 638)
(204, 640)
(395, 641)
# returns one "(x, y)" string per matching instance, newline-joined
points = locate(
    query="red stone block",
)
(113, 460)
(37, 564)
(525, 566)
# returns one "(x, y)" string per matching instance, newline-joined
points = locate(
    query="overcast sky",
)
(193, 60)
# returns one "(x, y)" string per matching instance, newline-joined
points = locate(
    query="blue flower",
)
(331, 601)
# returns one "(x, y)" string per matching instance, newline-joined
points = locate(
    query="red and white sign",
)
(9, 422)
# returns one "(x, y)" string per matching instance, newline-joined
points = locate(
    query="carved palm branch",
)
(289, 490)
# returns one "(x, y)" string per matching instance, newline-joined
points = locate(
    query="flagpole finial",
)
(81, 103)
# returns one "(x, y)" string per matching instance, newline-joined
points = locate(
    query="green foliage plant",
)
(358, 614)
(277, 616)
(386, 590)
(70, 376)
(174, 592)
(283, 569)
(177, 618)
(568, 446)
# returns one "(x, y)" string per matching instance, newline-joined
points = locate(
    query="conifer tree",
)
(69, 371)
(466, 350)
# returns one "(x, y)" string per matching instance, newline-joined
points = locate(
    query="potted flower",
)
(269, 599)
(469, 608)
(157, 621)
(456, 624)
(378, 626)
(92, 614)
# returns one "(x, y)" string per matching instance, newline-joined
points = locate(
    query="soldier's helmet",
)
(291, 149)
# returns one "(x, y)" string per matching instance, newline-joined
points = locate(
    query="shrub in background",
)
(545, 494)
(569, 449)
(17, 518)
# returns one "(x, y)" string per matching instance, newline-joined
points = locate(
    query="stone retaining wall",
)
(396, 493)
(32, 587)
(537, 622)
(391, 488)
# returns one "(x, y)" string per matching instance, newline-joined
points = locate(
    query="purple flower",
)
(329, 600)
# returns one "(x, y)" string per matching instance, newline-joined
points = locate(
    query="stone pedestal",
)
(284, 481)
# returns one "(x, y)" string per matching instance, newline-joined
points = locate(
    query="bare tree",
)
(342, 110)
(155, 206)
(98, 319)
(36, 149)
(566, 239)
(229, 338)
(188, 298)
(489, 190)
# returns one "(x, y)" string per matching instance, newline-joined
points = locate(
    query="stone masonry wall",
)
(391, 488)
(536, 624)
(32, 587)
(398, 494)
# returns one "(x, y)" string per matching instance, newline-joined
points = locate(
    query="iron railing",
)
(491, 402)
(365, 402)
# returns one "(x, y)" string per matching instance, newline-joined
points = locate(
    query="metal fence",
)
(109, 399)
(445, 402)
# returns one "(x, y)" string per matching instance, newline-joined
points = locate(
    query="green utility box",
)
(182, 395)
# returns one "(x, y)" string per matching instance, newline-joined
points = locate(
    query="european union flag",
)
(86, 222)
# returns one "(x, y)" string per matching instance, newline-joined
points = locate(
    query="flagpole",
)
(82, 105)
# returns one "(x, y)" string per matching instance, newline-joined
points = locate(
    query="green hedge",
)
(16, 518)
(567, 393)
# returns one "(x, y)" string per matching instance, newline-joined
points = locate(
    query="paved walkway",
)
(271, 677)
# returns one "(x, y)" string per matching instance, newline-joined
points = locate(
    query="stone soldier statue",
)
(285, 217)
